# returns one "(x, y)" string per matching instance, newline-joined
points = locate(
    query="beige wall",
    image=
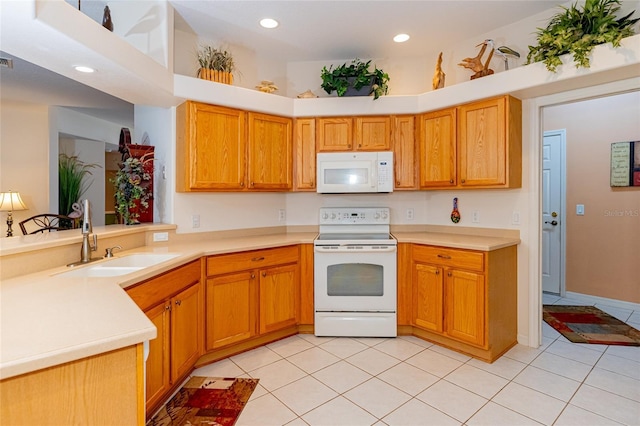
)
(603, 246)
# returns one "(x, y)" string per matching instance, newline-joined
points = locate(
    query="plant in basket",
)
(216, 65)
(354, 77)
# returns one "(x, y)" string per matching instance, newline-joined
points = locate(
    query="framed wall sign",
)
(625, 164)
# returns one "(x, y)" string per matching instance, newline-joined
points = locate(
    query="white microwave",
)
(349, 172)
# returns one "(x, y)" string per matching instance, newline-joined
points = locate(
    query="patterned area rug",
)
(206, 401)
(588, 324)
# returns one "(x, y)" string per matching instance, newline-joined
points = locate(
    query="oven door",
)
(355, 278)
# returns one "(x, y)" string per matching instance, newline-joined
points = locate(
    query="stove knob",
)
(385, 215)
(376, 215)
(333, 215)
(325, 216)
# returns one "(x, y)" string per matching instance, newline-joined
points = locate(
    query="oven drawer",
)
(256, 259)
(464, 259)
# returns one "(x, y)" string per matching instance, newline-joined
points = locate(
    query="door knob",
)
(553, 222)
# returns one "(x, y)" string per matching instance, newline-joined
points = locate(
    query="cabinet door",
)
(304, 152)
(157, 365)
(186, 320)
(482, 140)
(307, 311)
(279, 297)
(465, 306)
(438, 149)
(211, 145)
(428, 297)
(372, 133)
(404, 152)
(270, 160)
(230, 309)
(334, 134)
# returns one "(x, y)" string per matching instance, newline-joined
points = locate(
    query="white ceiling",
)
(309, 31)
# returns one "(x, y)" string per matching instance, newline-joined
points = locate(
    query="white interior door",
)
(553, 215)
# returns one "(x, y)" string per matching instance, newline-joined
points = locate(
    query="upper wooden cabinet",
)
(371, 133)
(304, 153)
(405, 152)
(225, 149)
(477, 145)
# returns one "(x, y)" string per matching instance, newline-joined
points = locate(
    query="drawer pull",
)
(444, 256)
(264, 274)
(257, 259)
(178, 302)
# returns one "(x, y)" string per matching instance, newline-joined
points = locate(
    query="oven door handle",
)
(346, 248)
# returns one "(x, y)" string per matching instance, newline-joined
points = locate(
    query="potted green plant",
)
(215, 65)
(131, 189)
(71, 181)
(355, 76)
(577, 31)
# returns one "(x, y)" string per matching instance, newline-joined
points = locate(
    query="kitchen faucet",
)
(87, 229)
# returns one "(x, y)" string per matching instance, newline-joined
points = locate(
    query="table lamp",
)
(10, 202)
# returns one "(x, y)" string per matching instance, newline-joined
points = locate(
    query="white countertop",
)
(47, 319)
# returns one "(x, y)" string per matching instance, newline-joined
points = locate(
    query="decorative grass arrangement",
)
(72, 184)
(216, 65)
(577, 31)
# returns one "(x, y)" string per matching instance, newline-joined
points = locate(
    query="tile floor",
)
(308, 380)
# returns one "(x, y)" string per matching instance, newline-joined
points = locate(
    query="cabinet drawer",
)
(162, 287)
(226, 263)
(457, 258)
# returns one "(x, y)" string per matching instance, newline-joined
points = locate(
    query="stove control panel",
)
(355, 216)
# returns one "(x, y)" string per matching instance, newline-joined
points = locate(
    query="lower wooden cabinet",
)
(174, 303)
(465, 299)
(250, 294)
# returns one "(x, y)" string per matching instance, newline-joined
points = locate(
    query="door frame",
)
(563, 202)
(532, 107)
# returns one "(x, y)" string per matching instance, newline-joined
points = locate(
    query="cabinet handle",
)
(178, 302)
(257, 259)
(241, 183)
(397, 183)
(463, 181)
(349, 146)
(451, 181)
(264, 274)
(359, 145)
(438, 272)
(448, 274)
(251, 184)
(444, 256)
(167, 308)
(253, 276)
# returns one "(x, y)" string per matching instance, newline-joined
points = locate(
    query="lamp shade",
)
(11, 202)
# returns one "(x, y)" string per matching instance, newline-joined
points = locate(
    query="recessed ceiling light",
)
(401, 38)
(82, 68)
(268, 23)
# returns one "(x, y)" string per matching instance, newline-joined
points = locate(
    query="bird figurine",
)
(475, 63)
(438, 75)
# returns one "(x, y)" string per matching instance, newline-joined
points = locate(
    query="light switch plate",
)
(580, 209)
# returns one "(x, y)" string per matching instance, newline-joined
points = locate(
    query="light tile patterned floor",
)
(307, 380)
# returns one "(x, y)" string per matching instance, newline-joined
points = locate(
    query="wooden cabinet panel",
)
(186, 330)
(270, 160)
(437, 142)
(210, 147)
(164, 286)
(428, 303)
(465, 307)
(458, 258)
(304, 151)
(405, 285)
(307, 311)
(404, 152)
(334, 134)
(230, 309)
(255, 259)
(372, 133)
(279, 297)
(158, 381)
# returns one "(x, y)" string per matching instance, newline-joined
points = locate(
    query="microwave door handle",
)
(374, 179)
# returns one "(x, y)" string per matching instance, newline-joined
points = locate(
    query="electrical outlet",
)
(515, 218)
(282, 215)
(475, 217)
(160, 236)
(195, 221)
(410, 214)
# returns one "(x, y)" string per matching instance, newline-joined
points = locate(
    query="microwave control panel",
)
(385, 174)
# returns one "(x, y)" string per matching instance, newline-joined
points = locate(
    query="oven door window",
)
(355, 279)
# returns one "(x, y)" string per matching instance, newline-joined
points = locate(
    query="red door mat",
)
(588, 324)
(206, 401)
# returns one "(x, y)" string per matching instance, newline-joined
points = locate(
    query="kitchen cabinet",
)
(465, 299)
(367, 133)
(405, 153)
(304, 152)
(251, 293)
(307, 310)
(226, 149)
(174, 303)
(476, 145)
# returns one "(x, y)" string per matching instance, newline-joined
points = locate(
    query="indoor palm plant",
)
(72, 182)
(215, 65)
(132, 189)
(355, 75)
(577, 31)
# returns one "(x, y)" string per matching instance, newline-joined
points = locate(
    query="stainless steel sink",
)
(120, 265)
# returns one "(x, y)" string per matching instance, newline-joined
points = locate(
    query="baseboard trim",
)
(602, 300)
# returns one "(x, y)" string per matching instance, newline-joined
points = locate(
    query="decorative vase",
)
(217, 76)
